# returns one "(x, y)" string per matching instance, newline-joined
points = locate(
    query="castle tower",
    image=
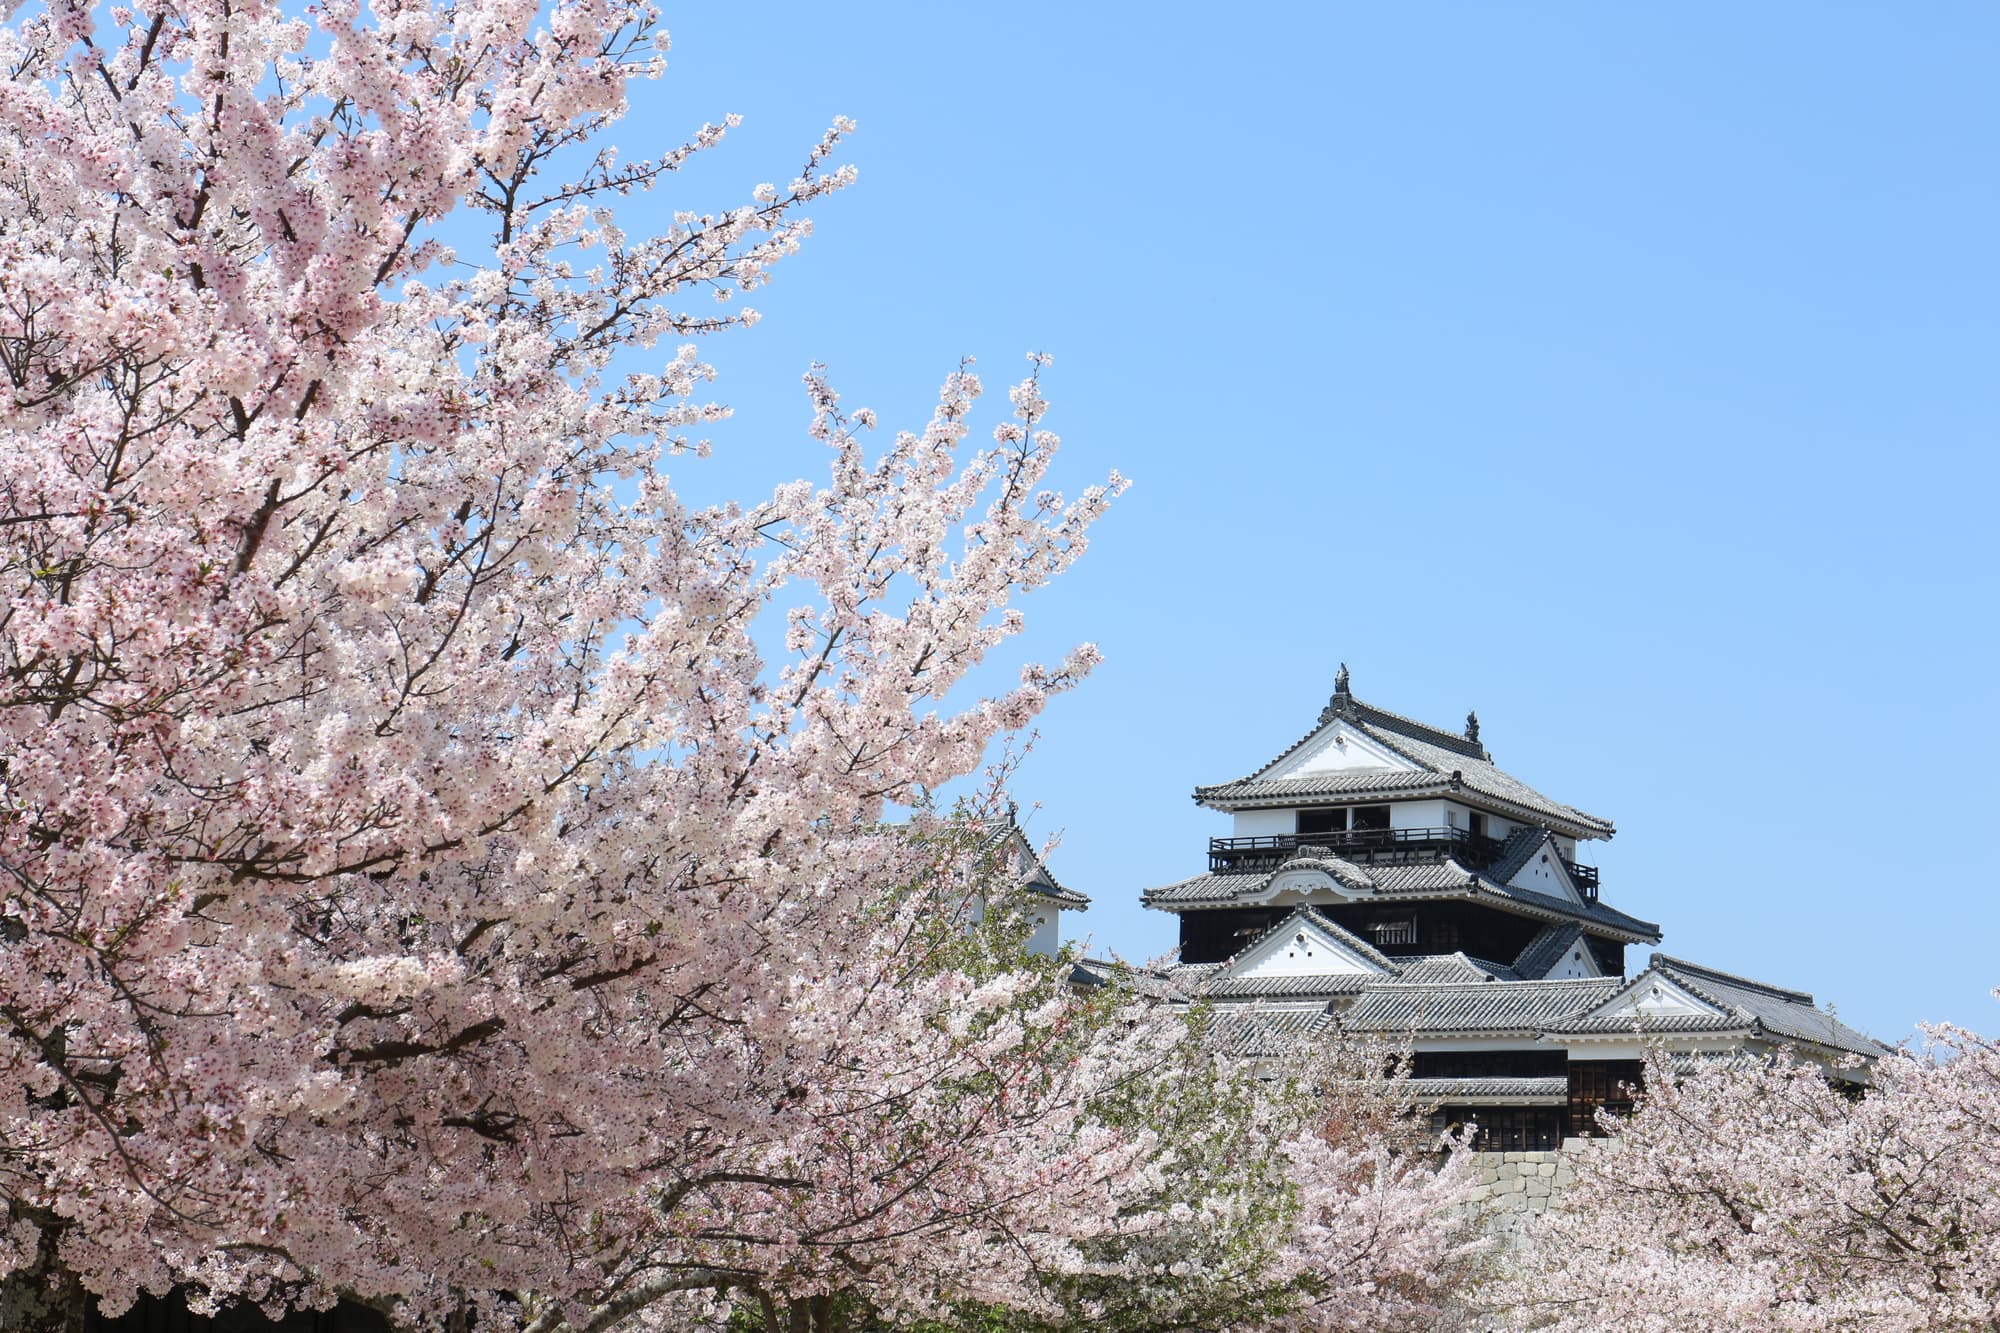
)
(1385, 876)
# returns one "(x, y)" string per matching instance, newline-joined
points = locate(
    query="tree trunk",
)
(814, 1314)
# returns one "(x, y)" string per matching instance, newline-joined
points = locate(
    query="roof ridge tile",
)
(1716, 974)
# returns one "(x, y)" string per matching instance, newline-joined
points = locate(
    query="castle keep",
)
(1386, 877)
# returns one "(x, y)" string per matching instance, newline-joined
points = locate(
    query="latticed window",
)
(1600, 1083)
(1397, 930)
(1505, 1128)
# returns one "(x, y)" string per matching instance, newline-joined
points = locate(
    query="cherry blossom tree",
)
(1295, 1193)
(421, 883)
(427, 882)
(1775, 1198)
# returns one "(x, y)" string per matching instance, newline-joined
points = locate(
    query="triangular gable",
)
(1652, 994)
(1544, 872)
(1338, 745)
(1306, 944)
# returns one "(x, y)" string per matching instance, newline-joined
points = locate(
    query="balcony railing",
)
(1390, 846)
(1366, 846)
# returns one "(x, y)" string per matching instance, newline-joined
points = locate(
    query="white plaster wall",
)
(1046, 937)
(1544, 875)
(1496, 826)
(1417, 814)
(1259, 823)
(1310, 956)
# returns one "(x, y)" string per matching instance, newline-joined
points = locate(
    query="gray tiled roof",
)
(1255, 1030)
(1174, 983)
(1352, 781)
(1597, 913)
(1489, 1008)
(1547, 948)
(1066, 896)
(1516, 852)
(1787, 1015)
(1330, 983)
(1747, 1009)
(1035, 874)
(1689, 1062)
(1447, 761)
(1650, 1025)
(1554, 1089)
(1220, 889)
(1435, 969)
(1437, 879)
(1480, 775)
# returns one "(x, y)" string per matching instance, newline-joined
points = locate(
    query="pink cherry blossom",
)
(1775, 1197)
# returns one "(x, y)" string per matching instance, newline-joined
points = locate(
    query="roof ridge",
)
(1438, 736)
(1732, 979)
(1365, 713)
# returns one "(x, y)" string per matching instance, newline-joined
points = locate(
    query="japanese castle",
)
(1385, 877)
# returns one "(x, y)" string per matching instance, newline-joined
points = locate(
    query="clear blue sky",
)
(1626, 373)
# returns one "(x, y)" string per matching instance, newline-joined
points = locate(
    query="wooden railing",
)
(1360, 845)
(1265, 851)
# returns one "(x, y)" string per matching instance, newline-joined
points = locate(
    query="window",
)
(1505, 1128)
(1600, 1083)
(1322, 821)
(1371, 817)
(1397, 930)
